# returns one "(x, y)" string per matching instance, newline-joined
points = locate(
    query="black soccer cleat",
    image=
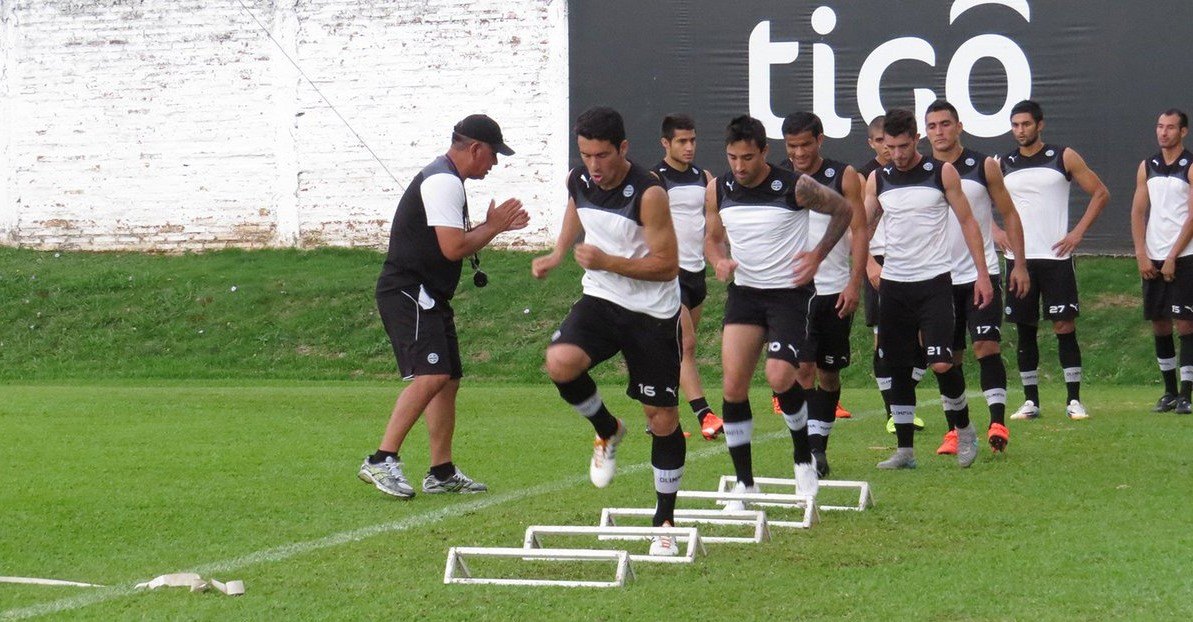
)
(1166, 403)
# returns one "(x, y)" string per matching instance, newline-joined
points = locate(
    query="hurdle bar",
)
(458, 573)
(754, 518)
(534, 533)
(865, 499)
(805, 502)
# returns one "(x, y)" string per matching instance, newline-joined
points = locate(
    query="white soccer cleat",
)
(740, 506)
(604, 457)
(967, 446)
(1076, 411)
(1028, 410)
(807, 481)
(663, 546)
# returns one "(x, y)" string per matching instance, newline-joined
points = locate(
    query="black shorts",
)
(651, 347)
(424, 340)
(982, 324)
(1055, 281)
(693, 288)
(915, 311)
(828, 334)
(1163, 300)
(782, 312)
(870, 298)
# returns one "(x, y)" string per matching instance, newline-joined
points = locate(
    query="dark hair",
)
(677, 121)
(1030, 107)
(875, 124)
(1179, 113)
(939, 105)
(746, 128)
(899, 121)
(800, 122)
(601, 123)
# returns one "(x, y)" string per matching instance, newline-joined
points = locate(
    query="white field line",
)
(288, 551)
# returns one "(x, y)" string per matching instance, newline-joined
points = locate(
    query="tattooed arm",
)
(818, 198)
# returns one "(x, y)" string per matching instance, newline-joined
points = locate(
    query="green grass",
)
(310, 315)
(117, 484)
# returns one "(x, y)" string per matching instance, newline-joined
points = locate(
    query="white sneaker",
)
(663, 546)
(1076, 411)
(604, 457)
(807, 482)
(1028, 410)
(740, 506)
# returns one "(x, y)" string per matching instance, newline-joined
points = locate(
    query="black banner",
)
(1103, 70)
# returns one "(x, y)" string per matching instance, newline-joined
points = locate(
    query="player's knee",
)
(431, 383)
(662, 421)
(780, 375)
(829, 380)
(805, 375)
(1184, 327)
(1064, 327)
(982, 349)
(941, 366)
(562, 366)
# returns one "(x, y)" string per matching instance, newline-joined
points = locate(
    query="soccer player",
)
(914, 195)
(430, 237)
(838, 280)
(1039, 176)
(630, 304)
(982, 183)
(1163, 234)
(757, 217)
(685, 183)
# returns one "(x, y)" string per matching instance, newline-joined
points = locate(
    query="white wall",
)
(178, 125)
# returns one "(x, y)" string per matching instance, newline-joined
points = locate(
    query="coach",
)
(430, 237)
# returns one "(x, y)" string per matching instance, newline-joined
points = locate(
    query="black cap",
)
(481, 127)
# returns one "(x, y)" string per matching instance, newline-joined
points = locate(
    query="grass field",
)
(154, 420)
(117, 484)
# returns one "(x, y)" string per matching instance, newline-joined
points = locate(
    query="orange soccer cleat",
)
(842, 413)
(712, 426)
(998, 435)
(948, 447)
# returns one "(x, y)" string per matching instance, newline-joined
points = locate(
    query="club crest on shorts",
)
(432, 358)
(628, 192)
(928, 166)
(776, 185)
(830, 173)
(1050, 153)
(970, 162)
(1184, 161)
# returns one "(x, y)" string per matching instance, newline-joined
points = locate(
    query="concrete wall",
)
(173, 125)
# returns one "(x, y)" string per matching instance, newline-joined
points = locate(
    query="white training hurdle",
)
(864, 500)
(755, 519)
(534, 534)
(805, 502)
(458, 572)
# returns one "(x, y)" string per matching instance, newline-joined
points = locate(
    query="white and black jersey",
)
(613, 223)
(916, 213)
(971, 167)
(833, 274)
(878, 240)
(435, 198)
(1168, 192)
(685, 191)
(1039, 185)
(766, 228)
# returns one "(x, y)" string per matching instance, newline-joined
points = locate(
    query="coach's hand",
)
(1020, 282)
(508, 216)
(1147, 269)
(983, 293)
(590, 257)
(1067, 244)
(724, 269)
(806, 264)
(1168, 270)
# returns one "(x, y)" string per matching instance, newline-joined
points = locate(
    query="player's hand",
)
(508, 216)
(1001, 240)
(1168, 270)
(983, 293)
(847, 302)
(806, 263)
(724, 269)
(1020, 282)
(1147, 269)
(873, 272)
(1067, 244)
(542, 266)
(590, 257)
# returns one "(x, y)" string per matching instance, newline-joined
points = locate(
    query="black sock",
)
(443, 471)
(828, 414)
(795, 414)
(1028, 356)
(815, 405)
(903, 401)
(993, 378)
(667, 460)
(582, 394)
(1166, 359)
(882, 375)
(700, 408)
(952, 394)
(1070, 361)
(1187, 366)
(739, 427)
(380, 456)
